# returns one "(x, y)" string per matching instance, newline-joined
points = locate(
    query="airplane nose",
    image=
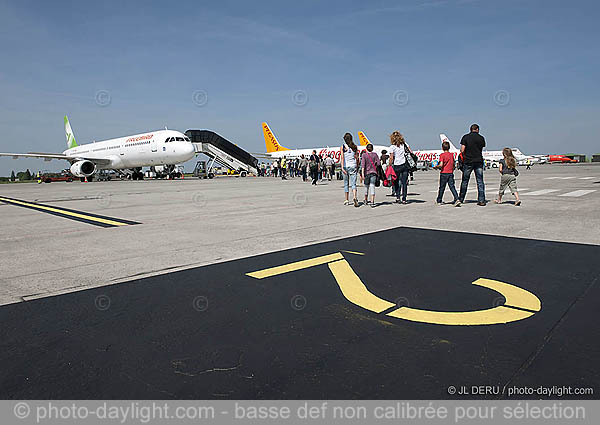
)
(189, 149)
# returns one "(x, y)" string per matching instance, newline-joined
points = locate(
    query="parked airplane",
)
(276, 150)
(495, 156)
(161, 149)
(562, 158)
(428, 155)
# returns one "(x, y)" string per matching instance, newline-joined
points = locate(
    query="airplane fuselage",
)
(423, 155)
(162, 147)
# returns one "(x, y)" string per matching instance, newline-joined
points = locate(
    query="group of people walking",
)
(317, 167)
(394, 169)
(471, 160)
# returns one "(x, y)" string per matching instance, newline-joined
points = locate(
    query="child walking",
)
(446, 167)
(508, 175)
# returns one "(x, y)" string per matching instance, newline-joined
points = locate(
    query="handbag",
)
(411, 159)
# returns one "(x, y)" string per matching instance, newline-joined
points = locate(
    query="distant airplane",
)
(495, 156)
(161, 148)
(562, 158)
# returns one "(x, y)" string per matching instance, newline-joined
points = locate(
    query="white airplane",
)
(495, 156)
(161, 149)
(275, 150)
(429, 155)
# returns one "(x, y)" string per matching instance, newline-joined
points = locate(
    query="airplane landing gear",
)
(137, 174)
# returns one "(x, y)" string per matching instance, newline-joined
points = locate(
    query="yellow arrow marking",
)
(355, 291)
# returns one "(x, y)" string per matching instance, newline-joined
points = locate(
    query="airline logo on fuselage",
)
(139, 138)
(432, 156)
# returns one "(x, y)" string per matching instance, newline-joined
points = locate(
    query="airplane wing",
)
(262, 155)
(51, 156)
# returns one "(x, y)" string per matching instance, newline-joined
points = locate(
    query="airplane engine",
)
(83, 168)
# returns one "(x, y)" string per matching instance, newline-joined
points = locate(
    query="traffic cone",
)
(85, 179)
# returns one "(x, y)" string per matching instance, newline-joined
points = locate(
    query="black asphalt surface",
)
(214, 333)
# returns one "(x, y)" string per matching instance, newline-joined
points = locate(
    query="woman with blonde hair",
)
(397, 160)
(508, 175)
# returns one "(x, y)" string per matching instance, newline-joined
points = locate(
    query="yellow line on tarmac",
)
(354, 290)
(491, 316)
(299, 265)
(515, 296)
(61, 211)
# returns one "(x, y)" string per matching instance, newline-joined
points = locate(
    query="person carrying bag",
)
(399, 161)
(411, 159)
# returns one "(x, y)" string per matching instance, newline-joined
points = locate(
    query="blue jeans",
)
(402, 181)
(467, 170)
(370, 184)
(446, 178)
(350, 178)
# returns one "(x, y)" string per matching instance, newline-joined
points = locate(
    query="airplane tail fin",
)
(271, 141)
(363, 139)
(445, 138)
(71, 143)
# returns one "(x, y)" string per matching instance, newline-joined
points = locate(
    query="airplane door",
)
(122, 149)
(153, 145)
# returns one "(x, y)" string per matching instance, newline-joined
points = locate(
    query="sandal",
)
(518, 203)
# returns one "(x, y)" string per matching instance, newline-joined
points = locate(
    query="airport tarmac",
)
(186, 320)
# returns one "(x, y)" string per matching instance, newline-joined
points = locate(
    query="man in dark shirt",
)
(472, 145)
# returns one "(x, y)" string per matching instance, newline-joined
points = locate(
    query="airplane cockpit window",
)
(168, 140)
(179, 139)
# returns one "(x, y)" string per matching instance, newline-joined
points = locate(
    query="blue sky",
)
(526, 71)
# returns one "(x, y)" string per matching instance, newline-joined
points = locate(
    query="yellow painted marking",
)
(354, 290)
(515, 296)
(58, 210)
(355, 252)
(491, 316)
(299, 265)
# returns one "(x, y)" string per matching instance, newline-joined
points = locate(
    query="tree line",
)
(20, 176)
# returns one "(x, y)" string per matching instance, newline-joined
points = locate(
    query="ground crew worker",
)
(283, 168)
(39, 177)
